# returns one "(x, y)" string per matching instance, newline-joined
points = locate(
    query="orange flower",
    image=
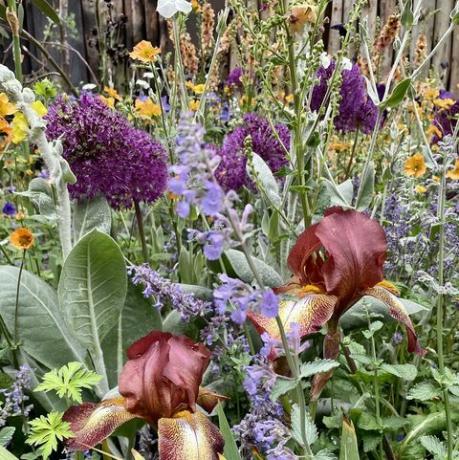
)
(6, 107)
(454, 173)
(5, 134)
(22, 238)
(144, 51)
(300, 16)
(111, 92)
(415, 165)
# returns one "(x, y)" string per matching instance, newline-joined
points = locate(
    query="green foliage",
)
(69, 381)
(231, 451)
(45, 88)
(46, 432)
(6, 435)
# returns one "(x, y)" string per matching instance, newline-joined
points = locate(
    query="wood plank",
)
(453, 83)
(441, 59)
(336, 18)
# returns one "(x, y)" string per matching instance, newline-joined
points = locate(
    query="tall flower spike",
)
(335, 263)
(160, 383)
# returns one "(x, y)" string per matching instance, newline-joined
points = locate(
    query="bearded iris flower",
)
(160, 383)
(335, 263)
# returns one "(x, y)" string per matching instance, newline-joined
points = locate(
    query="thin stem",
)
(13, 21)
(179, 64)
(139, 217)
(351, 158)
(440, 305)
(16, 308)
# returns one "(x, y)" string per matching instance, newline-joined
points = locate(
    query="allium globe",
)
(107, 154)
(231, 172)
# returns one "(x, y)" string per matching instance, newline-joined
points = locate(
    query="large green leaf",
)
(47, 10)
(6, 455)
(89, 215)
(349, 448)
(137, 319)
(92, 292)
(242, 270)
(42, 331)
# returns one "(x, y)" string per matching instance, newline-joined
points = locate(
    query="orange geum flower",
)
(415, 165)
(6, 107)
(454, 173)
(22, 238)
(145, 52)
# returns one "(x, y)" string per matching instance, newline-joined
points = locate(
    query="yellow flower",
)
(111, 92)
(199, 89)
(454, 173)
(431, 93)
(196, 6)
(147, 108)
(289, 98)
(415, 165)
(420, 189)
(20, 128)
(339, 146)
(108, 101)
(445, 104)
(301, 15)
(144, 51)
(22, 238)
(6, 107)
(193, 105)
(39, 108)
(5, 134)
(433, 130)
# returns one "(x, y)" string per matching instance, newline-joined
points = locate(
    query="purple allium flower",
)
(356, 109)
(9, 209)
(446, 119)
(106, 153)
(167, 293)
(231, 172)
(234, 77)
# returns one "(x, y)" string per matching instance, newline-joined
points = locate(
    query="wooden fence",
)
(142, 22)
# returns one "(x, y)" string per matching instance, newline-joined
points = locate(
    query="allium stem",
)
(440, 304)
(139, 218)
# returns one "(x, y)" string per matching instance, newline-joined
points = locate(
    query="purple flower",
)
(214, 245)
(9, 209)
(107, 154)
(234, 77)
(269, 304)
(231, 172)
(212, 202)
(446, 119)
(356, 109)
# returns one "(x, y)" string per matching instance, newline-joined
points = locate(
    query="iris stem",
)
(440, 304)
(139, 217)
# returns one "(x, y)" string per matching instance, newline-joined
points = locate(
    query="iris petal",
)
(398, 312)
(310, 312)
(91, 423)
(189, 436)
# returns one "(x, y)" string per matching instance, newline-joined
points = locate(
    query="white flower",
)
(346, 64)
(325, 60)
(167, 8)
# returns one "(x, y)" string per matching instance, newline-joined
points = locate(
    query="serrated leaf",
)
(434, 446)
(310, 428)
(404, 371)
(283, 385)
(6, 435)
(69, 381)
(424, 391)
(317, 367)
(324, 454)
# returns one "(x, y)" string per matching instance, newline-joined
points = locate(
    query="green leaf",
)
(89, 215)
(4, 454)
(92, 291)
(398, 93)
(69, 381)
(6, 435)
(404, 371)
(434, 446)
(316, 367)
(349, 448)
(47, 10)
(242, 270)
(42, 329)
(366, 189)
(424, 391)
(312, 435)
(340, 195)
(407, 18)
(283, 385)
(40, 194)
(45, 432)
(231, 451)
(138, 318)
(262, 175)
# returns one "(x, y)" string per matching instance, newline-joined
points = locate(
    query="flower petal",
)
(310, 312)
(162, 375)
(189, 436)
(208, 399)
(91, 423)
(398, 312)
(356, 250)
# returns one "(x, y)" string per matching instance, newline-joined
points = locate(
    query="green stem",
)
(440, 305)
(139, 217)
(351, 158)
(16, 308)
(13, 21)
(180, 75)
